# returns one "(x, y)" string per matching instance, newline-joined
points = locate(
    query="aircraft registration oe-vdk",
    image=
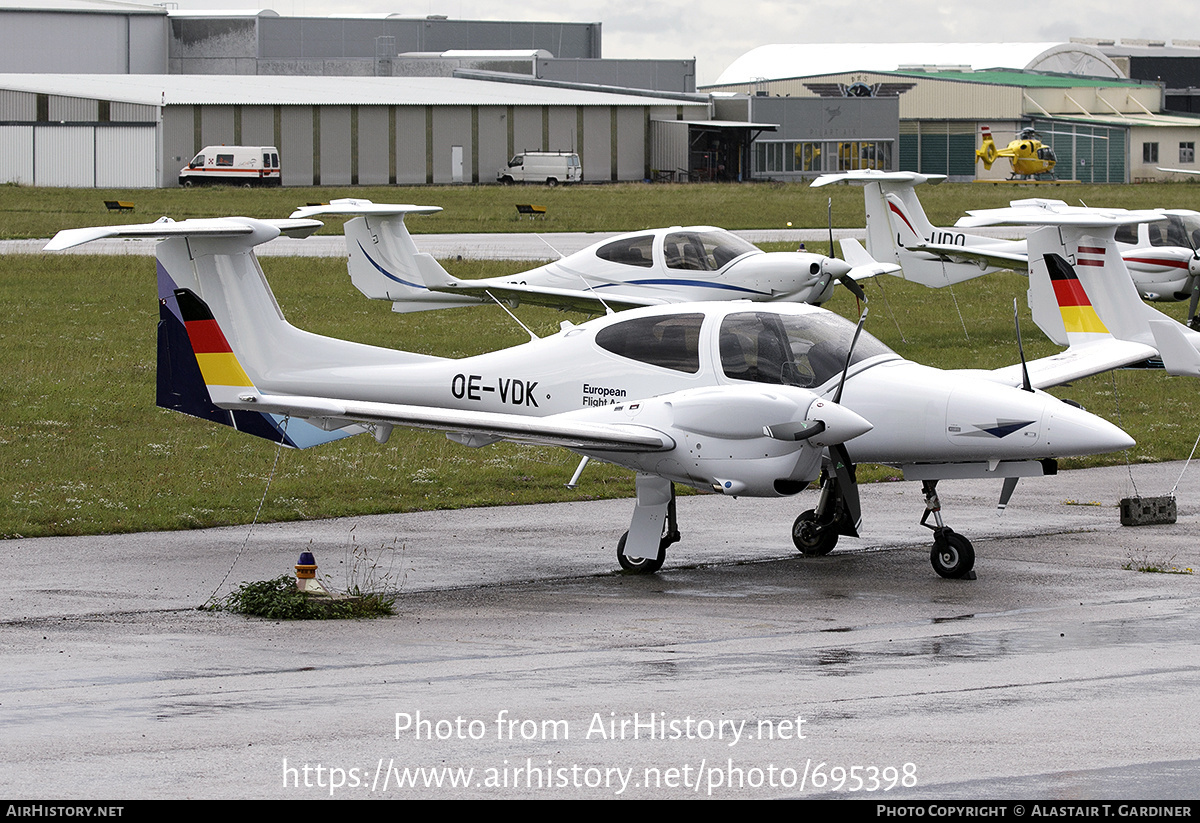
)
(655, 267)
(1161, 254)
(737, 398)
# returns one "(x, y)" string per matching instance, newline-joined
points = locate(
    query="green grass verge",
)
(27, 212)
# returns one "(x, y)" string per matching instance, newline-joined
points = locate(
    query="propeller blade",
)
(829, 216)
(822, 417)
(862, 318)
(798, 430)
(1025, 384)
(843, 470)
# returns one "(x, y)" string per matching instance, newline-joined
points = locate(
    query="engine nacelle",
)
(756, 440)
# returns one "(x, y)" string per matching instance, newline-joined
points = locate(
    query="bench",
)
(531, 211)
(118, 205)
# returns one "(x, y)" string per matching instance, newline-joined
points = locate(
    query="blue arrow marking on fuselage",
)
(1004, 429)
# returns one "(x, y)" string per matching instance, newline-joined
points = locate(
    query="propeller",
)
(1025, 384)
(829, 219)
(1193, 279)
(839, 458)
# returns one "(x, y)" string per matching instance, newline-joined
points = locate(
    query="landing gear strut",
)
(653, 515)
(816, 531)
(952, 555)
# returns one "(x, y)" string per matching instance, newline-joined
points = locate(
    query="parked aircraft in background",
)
(1026, 153)
(734, 398)
(654, 267)
(1160, 254)
(1079, 287)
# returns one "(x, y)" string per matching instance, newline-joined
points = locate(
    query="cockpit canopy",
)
(805, 350)
(686, 250)
(1177, 230)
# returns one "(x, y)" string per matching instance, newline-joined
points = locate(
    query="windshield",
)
(793, 350)
(704, 250)
(1176, 230)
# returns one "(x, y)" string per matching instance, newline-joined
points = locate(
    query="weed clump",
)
(279, 599)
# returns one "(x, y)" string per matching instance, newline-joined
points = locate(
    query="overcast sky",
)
(716, 33)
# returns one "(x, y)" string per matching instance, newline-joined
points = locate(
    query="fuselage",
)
(919, 414)
(682, 264)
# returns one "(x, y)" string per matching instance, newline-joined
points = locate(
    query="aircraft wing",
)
(479, 428)
(166, 227)
(1075, 363)
(961, 254)
(1048, 214)
(584, 300)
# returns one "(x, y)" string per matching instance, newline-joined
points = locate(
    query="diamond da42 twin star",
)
(654, 267)
(737, 398)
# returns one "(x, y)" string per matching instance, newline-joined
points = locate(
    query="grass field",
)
(28, 212)
(85, 450)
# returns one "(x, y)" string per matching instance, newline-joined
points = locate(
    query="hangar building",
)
(1102, 126)
(139, 130)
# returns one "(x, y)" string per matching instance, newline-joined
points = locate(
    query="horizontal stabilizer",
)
(875, 176)
(1179, 356)
(204, 227)
(863, 265)
(356, 206)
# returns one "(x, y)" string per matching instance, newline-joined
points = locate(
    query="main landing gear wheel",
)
(811, 538)
(643, 565)
(952, 555)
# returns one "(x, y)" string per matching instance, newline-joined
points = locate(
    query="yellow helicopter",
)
(1029, 156)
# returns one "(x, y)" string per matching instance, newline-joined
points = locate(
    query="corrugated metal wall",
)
(80, 156)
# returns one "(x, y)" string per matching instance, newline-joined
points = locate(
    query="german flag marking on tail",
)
(218, 364)
(1077, 312)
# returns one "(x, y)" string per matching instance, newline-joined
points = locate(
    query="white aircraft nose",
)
(1074, 431)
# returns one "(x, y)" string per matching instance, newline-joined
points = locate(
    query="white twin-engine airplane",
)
(737, 398)
(655, 267)
(1161, 253)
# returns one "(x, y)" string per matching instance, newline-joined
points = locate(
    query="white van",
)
(233, 166)
(549, 167)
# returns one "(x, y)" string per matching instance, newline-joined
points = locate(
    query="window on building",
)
(1149, 152)
(1187, 152)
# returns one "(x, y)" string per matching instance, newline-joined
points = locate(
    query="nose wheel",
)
(952, 555)
(811, 537)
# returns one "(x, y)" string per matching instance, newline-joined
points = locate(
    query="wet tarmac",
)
(519, 664)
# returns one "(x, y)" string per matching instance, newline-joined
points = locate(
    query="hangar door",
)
(86, 156)
(1089, 154)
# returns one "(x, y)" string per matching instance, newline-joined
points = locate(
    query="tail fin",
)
(383, 257)
(221, 332)
(1096, 296)
(899, 231)
(196, 364)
